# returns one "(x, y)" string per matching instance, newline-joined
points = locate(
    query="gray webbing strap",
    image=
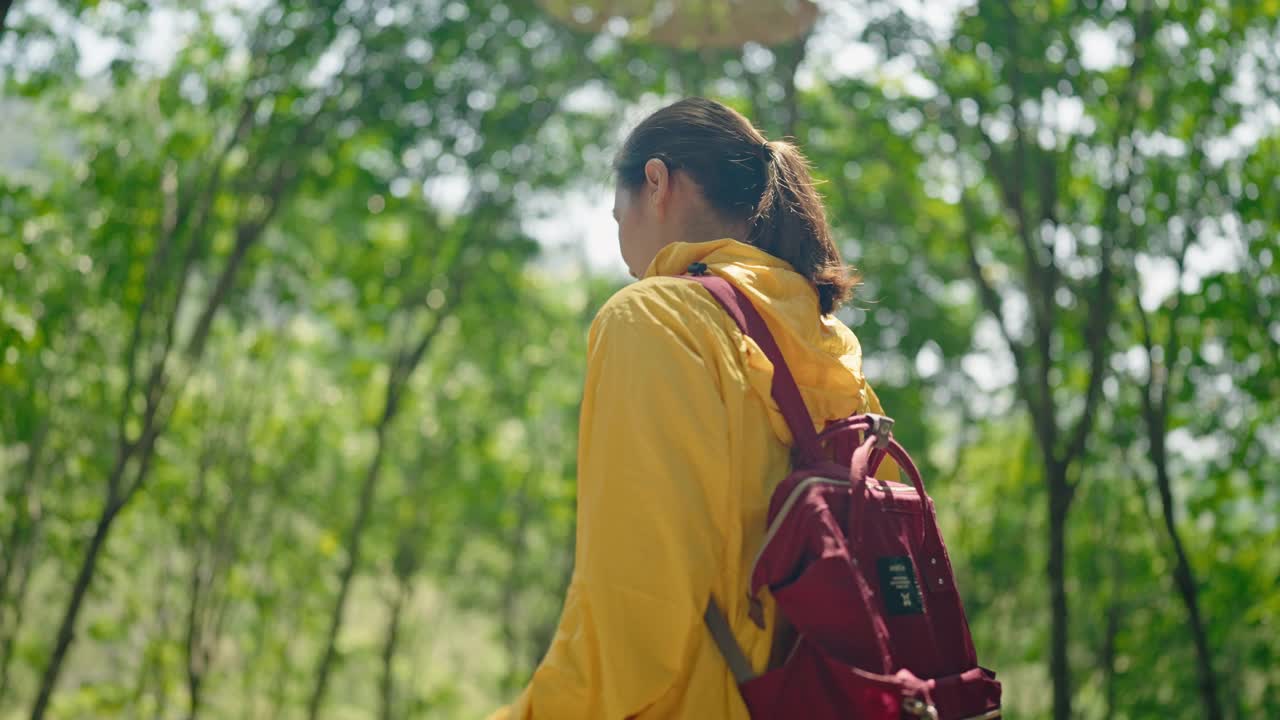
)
(728, 644)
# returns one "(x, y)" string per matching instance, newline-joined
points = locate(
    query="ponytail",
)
(746, 177)
(790, 223)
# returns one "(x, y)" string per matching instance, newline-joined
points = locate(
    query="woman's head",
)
(698, 170)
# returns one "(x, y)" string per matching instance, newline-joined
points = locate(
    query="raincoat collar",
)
(674, 259)
(824, 355)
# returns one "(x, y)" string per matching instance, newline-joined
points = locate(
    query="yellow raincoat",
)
(680, 445)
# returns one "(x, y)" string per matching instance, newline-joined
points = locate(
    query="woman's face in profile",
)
(640, 213)
(633, 232)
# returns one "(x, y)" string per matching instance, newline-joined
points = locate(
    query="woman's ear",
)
(657, 180)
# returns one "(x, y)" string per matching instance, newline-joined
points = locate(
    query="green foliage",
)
(234, 299)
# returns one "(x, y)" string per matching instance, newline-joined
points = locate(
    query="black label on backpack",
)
(898, 586)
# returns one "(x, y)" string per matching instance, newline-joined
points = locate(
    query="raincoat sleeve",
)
(652, 469)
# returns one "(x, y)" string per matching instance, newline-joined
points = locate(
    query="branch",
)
(1016, 185)
(247, 233)
(990, 298)
(1148, 388)
(192, 639)
(406, 362)
(170, 232)
(149, 290)
(1010, 183)
(1175, 313)
(1101, 306)
(793, 56)
(1049, 189)
(1040, 281)
(991, 301)
(1103, 301)
(1041, 277)
(4, 13)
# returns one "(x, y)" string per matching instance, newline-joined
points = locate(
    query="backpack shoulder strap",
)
(784, 390)
(718, 624)
(806, 449)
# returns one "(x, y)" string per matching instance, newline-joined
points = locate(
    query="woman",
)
(680, 443)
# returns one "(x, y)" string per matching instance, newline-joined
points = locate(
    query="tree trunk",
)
(1059, 668)
(142, 449)
(278, 687)
(511, 585)
(17, 546)
(151, 671)
(66, 630)
(280, 678)
(388, 694)
(19, 603)
(251, 667)
(402, 367)
(21, 549)
(1184, 578)
(354, 537)
(157, 662)
(1155, 413)
(194, 684)
(1108, 660)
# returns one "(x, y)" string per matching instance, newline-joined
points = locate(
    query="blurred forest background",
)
(294, 296)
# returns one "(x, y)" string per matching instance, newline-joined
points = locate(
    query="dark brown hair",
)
(744, 176)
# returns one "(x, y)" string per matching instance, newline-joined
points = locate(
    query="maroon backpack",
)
(870, 624)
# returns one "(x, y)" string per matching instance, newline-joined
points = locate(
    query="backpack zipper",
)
(790, 502)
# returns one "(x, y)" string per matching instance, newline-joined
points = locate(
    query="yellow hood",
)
(824, 355)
